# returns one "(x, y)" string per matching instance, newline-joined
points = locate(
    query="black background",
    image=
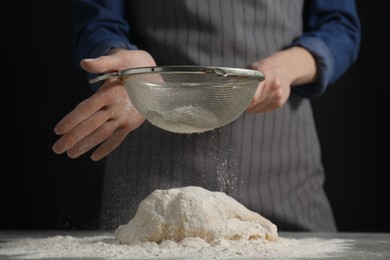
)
(41, 190)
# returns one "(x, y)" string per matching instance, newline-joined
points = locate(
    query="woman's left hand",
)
(282, 70)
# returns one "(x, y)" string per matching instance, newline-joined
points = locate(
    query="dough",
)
(178, 213)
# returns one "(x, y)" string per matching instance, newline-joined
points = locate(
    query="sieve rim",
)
(220, 71)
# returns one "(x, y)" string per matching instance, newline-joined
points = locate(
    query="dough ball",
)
(178, 213)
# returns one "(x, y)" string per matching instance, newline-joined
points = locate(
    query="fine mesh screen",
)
(188, 99)
(190, 102)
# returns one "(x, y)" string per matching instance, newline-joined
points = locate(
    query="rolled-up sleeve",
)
(99, 25)
(332, 35)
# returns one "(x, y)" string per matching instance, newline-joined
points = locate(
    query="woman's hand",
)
(107, 116)
(283, 69)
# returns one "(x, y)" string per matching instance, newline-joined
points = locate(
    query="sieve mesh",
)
(191, 99)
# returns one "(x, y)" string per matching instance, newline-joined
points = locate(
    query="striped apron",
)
(270, 162)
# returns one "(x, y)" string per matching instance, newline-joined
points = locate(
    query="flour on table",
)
(105, 246)
(193, 212)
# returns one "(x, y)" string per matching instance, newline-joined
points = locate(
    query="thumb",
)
(101, 65)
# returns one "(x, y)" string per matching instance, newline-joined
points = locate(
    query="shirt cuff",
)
(325, 67)
(102, 50)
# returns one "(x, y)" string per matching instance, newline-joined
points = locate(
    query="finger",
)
(273, 101)
(267, 102)
(257, 106)
(80, 113)
(92, 140)
(256, 101)
(80, 131)
(110, 144)
(102, 64)
(253, 66)
(258, 97)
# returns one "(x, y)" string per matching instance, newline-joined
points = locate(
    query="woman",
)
(269, 159)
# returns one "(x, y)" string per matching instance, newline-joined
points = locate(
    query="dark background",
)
(41, 190)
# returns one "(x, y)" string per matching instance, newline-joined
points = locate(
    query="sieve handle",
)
(105, 76)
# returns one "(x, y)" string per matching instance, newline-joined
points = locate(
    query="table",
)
(365, 245)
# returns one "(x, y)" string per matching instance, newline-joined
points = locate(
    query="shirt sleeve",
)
(332, 35)
(99, 25)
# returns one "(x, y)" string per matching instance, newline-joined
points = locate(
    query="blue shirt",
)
(331, 33)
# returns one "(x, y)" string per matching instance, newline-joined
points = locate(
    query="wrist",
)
(301, 65)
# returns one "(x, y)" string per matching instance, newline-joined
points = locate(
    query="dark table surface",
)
(365, 245)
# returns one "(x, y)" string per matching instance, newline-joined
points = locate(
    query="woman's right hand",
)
(107, 116)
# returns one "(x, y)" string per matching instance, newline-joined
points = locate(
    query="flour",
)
(184, 119)
(106, 246)
(179, 213)
(182, 223)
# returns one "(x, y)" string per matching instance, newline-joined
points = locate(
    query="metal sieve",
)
(189, 99)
